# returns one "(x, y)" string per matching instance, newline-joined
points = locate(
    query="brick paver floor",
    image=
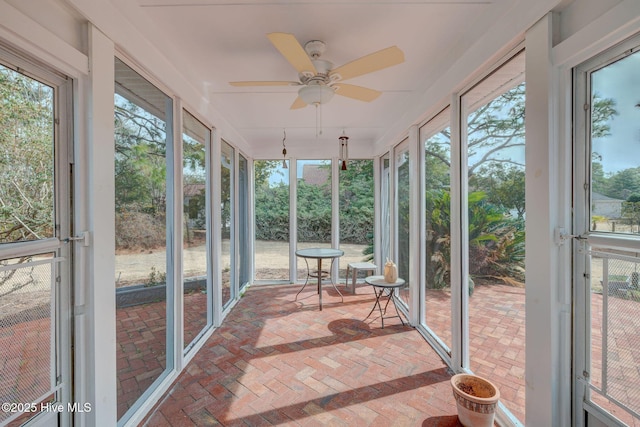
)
(280, 361)
(276, 360)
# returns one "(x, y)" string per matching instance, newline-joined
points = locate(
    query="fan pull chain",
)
(317, 115)
(318, 106)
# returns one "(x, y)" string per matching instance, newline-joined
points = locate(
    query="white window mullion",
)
(459, 326)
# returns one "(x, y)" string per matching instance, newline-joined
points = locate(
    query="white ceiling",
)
(217, 41)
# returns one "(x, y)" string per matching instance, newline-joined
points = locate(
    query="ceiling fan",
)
(319, 80)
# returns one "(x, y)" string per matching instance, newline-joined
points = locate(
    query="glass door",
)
(196, 229)
(35, 254)
(227, 226)
(493, 212)
(402, 236)
(143, 138)
(435, 136)
(607, 255)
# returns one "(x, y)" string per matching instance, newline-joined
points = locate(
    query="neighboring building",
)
(194, 195)
(315, 174)
(606, 206)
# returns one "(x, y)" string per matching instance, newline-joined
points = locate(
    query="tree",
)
(495, 137)
(598, 178)
(271, 202)
(26, 169)
(140, 176)
(623, 184)
(140, 159)
(26, 158)
(631, 210)
(602, 112)
(356, 202)
(504, 185)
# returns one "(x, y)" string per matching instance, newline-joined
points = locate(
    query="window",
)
(196, 264)
(143, 116)
(385, 209)
(313, 208)
(403, 216)
(356, 212)
(493, 144)
(436, 138)
(227, 225)
(271, 189)
(244, 222)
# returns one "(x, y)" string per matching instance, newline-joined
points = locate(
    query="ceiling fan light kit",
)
(316, 94)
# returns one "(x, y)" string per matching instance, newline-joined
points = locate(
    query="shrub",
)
(138, 230)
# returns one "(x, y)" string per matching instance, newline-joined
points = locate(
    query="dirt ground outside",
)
(134, 268)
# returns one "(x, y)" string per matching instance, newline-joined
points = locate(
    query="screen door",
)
(607, 250)
(35, 344)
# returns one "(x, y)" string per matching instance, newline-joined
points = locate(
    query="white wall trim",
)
(544, 391)
(100, 341)
(41, 42)
(415, 220)
(612, 27)
(216, 220)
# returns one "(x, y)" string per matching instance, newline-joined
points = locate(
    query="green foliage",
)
(263, 169)
(272, 212)
(631, 209)
(438, 203)
(622, 184)
(598, 178)
(496, 241)
(356, 203)
(495, 128)
(156, 278)
(504, 185)
(314, 205)
(314, 212)
(602, 112)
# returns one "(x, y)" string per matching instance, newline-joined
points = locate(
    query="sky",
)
(620, 81)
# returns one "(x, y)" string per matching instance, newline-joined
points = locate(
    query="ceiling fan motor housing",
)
(315, 48)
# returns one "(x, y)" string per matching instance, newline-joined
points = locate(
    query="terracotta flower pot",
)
(476, 399)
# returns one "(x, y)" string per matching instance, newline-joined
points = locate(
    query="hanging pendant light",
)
(284, 150)
(344, 150)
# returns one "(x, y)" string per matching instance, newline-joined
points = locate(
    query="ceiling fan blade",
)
(367, 64)
(293, 52)
(298, 103)
(265, 83)
(357, 92)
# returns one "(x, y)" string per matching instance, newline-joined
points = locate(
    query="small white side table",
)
(355, 267)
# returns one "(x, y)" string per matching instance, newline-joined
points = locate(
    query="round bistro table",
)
(319, 254)
(379, 286)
